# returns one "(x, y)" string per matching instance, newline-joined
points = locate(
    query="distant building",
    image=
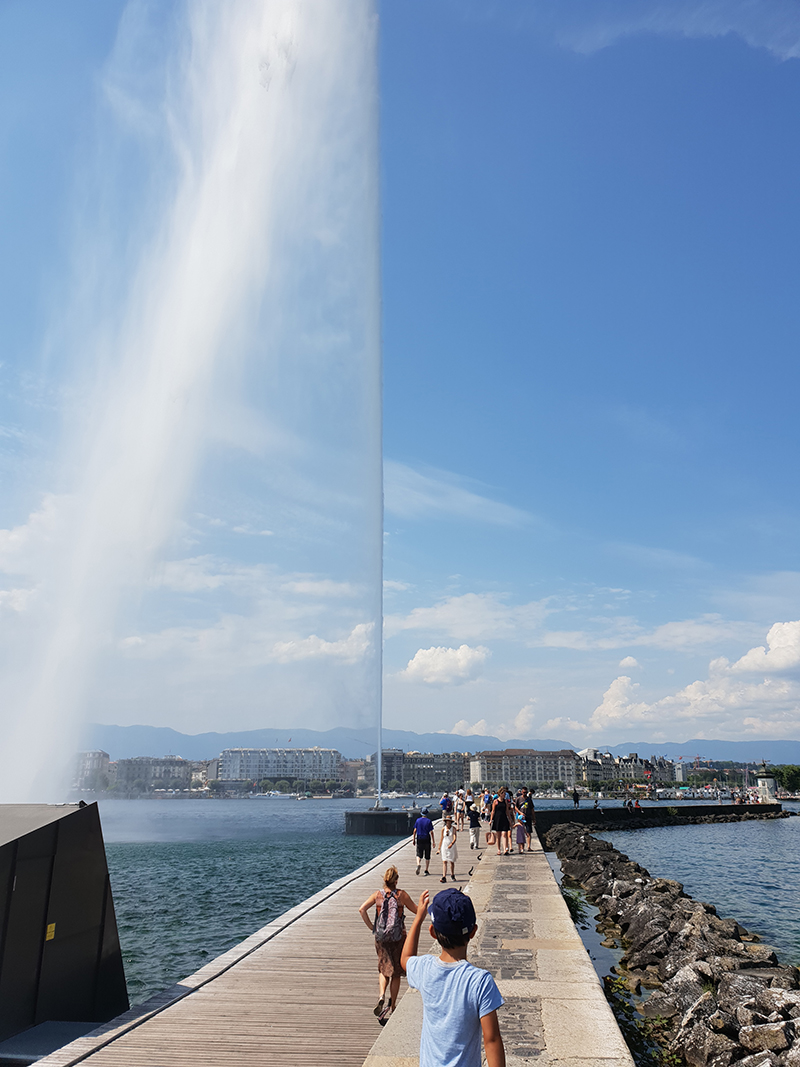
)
(91, 770)
(445, 770)
(630, 768)
(597, 766)
(142, 773)
(525, 766)
(277, 764)
(352, 771)
(662, 769)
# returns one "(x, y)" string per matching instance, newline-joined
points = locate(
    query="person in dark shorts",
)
(422, 837)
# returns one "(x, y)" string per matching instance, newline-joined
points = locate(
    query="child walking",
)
(474, 817)
(522, 837)
(459, 1001)
(447, 847)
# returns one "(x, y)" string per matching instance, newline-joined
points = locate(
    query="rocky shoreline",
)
(720, 996)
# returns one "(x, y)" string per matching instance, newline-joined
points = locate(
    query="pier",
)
(300, 991)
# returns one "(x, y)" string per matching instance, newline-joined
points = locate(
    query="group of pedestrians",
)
(510, 820)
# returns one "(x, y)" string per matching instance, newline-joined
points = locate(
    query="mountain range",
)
(123, 742)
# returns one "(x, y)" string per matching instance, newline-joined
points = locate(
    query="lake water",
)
(192, 878)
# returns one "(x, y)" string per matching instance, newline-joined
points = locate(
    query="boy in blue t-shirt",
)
(459, 1001)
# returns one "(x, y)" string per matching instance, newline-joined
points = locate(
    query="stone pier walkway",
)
(555, 1011)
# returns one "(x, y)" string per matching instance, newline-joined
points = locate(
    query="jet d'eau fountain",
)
(203, 537)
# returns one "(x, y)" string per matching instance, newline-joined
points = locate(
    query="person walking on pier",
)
(447, 847)
(501, 823)
(576, 798)
(527, 809)
(474, 817)
(421, 837)
(390, 935)
(459, 1000)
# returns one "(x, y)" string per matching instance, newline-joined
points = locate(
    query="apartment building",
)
(525, 766)
(289, 764)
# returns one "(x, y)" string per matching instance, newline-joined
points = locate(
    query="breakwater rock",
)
(721, 996)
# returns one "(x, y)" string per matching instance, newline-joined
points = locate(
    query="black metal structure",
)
(60, 956)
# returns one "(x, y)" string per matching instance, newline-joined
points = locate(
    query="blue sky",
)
(589, 275)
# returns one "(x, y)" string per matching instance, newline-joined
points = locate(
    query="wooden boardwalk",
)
(299, 991)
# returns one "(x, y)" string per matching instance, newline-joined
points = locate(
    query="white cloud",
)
(466, 729)
(446, 666)
(724, 703)
(781, 654)
(587, 27)
(627, 662)
(620, 631)
(473, 616)
(349, 650)
(246, 528)
(391, 585)
(321, 587)
(522, 727)
(412, 494)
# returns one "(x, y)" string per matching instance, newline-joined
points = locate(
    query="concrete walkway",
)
(555, 1011)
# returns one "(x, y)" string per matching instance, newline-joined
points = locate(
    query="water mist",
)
(222, 340)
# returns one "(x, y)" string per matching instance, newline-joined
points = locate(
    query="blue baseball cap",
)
(452, 912)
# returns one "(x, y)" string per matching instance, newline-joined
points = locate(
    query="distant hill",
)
(122, 742)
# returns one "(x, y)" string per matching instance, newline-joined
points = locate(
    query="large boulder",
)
(735, 988)
(772, 1036)
(684, 988)
(701, 1047)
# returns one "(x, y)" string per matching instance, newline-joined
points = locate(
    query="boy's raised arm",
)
(412, 941)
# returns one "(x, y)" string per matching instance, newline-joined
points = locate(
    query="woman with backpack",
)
(390, 934)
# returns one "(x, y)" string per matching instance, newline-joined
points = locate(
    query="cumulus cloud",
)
(414, 494)
(521, 726)
(446, 666)
(725, 703)
(349, 650)
(628, 661)
(782, 651)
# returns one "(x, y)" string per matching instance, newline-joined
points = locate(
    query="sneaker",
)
(416, 871)
(427, 872)
(442, 879)
(378, 1009)
(454, 877)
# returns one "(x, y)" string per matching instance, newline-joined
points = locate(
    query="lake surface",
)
(192, 878)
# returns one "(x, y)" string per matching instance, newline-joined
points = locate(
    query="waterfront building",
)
(289, 764)
(662, 769)
(525, 766)
(142, 773)
(352, 771)
(444, 770)
(631, 769)
(91, 770)
(597, 766)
